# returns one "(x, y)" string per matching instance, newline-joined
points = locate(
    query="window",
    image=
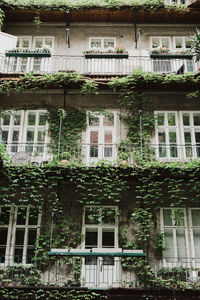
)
(19, 230)
(25, 131)
(160, 42)
(178, 134)
(101, 135)
(167, 134)
(179, 227)
(103, 43)
(27, 64)
(174, 229)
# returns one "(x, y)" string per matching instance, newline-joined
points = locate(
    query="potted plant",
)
(117, 52)
(64, 159)
(166, 53)
(17, 52)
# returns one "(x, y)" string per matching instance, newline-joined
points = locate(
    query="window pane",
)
(178, 43)
(92, 216)
(196, 237)
(41, 136)
(195, 217)
(165, 42)
(188, 43)
(169, 246)
(48, 42)
(6, 119)
(172, 137)
(4, 136)
(181, 243)
(91, 238)
(93, 120)
(161, 119)
(197, 137)
(108, 137)
(187, 137)
(108, 216)
(186, 119)
(161, 137)
(31, 118)
(32, 234)
(38, 43)
(155, 42)
(33, 217)
(21, 216)
(18, 255)
(95, 43)
(42, 119)
(19, 238)
(171, 119)
(17, 119)
(4, 215)
(196, 119)
(167, 217)
(15, 136)
(108, 120)
(109, 43)
(93, 137)
(108, 240)
(178, 217)
(3, 236)
(25, 43)
(30, 136)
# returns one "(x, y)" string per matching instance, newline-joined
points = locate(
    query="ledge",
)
(106, 55)
(170, 56)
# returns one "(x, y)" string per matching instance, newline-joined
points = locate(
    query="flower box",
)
(106, 55)
(171, 56)
(21, 53)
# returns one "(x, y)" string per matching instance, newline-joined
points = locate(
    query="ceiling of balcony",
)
(123, 16)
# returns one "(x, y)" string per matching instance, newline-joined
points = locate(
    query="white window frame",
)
(12, 227)
(191, 233)
(166, 129)
(160, 41)
(22, 143)
(101, 226)
(174, 228)
(101, 129)
(102, 41)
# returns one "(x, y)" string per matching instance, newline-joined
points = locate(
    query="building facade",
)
(100, 147)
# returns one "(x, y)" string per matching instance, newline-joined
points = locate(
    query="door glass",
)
(181, 243)
(171, 119)
(169, 244)
(91, 238)
(161, 119)
(6, 119)
(162, 145)
(31, 118)
(108, 140)
(93, 143)
(195, 217)
(196, 119)
(108, 240)
(167, 217)
(186, 119)
(196, 237)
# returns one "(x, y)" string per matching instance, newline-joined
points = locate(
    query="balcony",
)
(89, 154)
(100, 66)
(98, 270)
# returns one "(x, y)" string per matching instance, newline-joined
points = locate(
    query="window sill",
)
(106, 55)
(21, 54)
(170, 56)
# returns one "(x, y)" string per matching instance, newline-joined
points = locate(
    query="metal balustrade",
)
(96, 271)
(91, 154)
(101, 66)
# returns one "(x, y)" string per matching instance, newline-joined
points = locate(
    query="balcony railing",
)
(98, 271)
(107, 66)
(135, 154)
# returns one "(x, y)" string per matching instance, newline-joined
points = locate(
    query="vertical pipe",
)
(141, 140)
(59, 136)
(135, 27)
(52, 222)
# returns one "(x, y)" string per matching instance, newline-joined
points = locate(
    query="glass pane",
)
(186, 119)
(21, 216)
(5, 215)
(6, 119)
(108, 216)
(2, 254)
(19, 237)
(41, 136)
(196, 119)
(167, 217)
(161, 119)
(172, 137)
(30, 255)
(108, 238)
(161, 137)
(178, 217)
(188, 150)
(109, 43)
(187, 136)
(197, 137)
(181, 243)
(15, 136)
(48, 43)
(171, 119)
(33, 216)
(93, 137)
(169, 243)
(31, 118)
(18, 255)
(108, 152)
(4, 136)
(196, 237)
(162, 146)
(188, 43)
(92, 216)
(38, 43)
(195, 217)
(165, 42)
(155, 42)
(178, 43)
(42, 119)
(32, 234)
(93, 120)
(25, 43)
(95, 43)
(17, 119)
(108, 120)
(91, 238)
(108, 137)
(30, 136)
(3, 236)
